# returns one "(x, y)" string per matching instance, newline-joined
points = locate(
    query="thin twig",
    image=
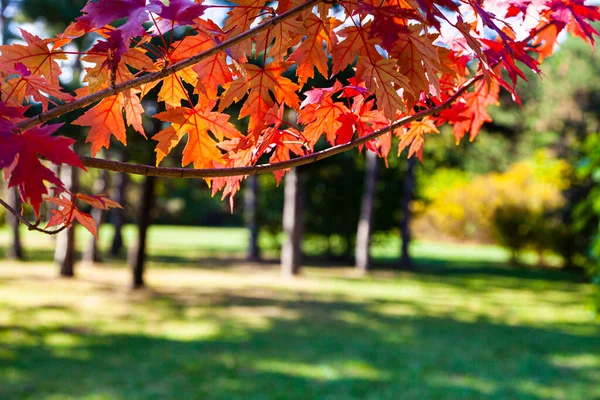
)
(27, 223)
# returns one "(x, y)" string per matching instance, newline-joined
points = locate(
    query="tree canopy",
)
(351, 73)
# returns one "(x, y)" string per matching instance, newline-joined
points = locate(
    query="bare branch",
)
(27, 223)
(148, 170)
(136, 82)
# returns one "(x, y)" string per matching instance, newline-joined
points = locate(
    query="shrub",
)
(510, 207)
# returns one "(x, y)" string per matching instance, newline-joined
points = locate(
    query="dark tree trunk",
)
(137, 254)
(365, 222)
(250, 209)
(407, 198)
(14, 251)
(92, 253)
(64, 254)
(293, 224)
(118, 214)
(3, 22)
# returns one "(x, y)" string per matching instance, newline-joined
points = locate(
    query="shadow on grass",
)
(210, 257)
(311, 349)
(436, 266)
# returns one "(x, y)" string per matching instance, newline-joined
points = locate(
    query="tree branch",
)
(27, 223)
(151, 77)
(148, 170)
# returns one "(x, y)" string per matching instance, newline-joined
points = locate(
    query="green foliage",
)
(333, 190)
(587, 210)
(511, 228)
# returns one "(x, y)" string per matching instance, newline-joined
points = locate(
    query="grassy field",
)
(182, 244)
(463, 327)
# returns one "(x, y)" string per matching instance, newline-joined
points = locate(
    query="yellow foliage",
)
(466, 209)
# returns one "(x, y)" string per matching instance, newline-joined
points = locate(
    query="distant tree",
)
(92, 253)
(407, 199)
(14, 250)
(138, 251)
(251, 216)
(293, 223)
(365, 221)
(408, 72)
(64, 254)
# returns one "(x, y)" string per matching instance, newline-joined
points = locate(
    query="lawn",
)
(463, 326)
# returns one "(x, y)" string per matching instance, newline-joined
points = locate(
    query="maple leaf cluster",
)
(433, 61)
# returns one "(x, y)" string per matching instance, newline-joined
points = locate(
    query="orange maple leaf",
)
(356, 43)
(106, 120)
(473, 106)
(99, 76)
(36, 56)
(258, 84)
(201, 149)
(322, 118)
(415, 137)
(311, 53)
(418, 60)
(67, 213)
(384, 81)
(18, 88)
(239, 21)
(173, 89)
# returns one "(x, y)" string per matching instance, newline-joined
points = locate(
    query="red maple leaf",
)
(21, 153)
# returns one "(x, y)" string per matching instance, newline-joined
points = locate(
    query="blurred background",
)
(483, 266)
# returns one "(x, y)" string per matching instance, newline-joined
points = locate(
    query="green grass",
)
(463, 327)
(181, 244)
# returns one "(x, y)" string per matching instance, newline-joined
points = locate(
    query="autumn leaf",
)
(36, 56)
(311, 53)
(386, 83)
(99, 76)
(356, 42)
(19, 156)
(19, 88)
(323, 118)
(201, 149)
(280, 38)
(470, 112)
(418, 60)
(238, 21)
(173, 90)
(415, 137)
(260, 83)
(67, 213)
(100, 201)
(104, 12)
(208, 74)
(105, 120)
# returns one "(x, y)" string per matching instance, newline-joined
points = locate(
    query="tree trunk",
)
(14, 251)
(407, 198)
(3, 23)
(92, 253)
(293, 224)
(365, 222)
(118, 214)
(64, 254)
(250, 210)
(137, 254)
